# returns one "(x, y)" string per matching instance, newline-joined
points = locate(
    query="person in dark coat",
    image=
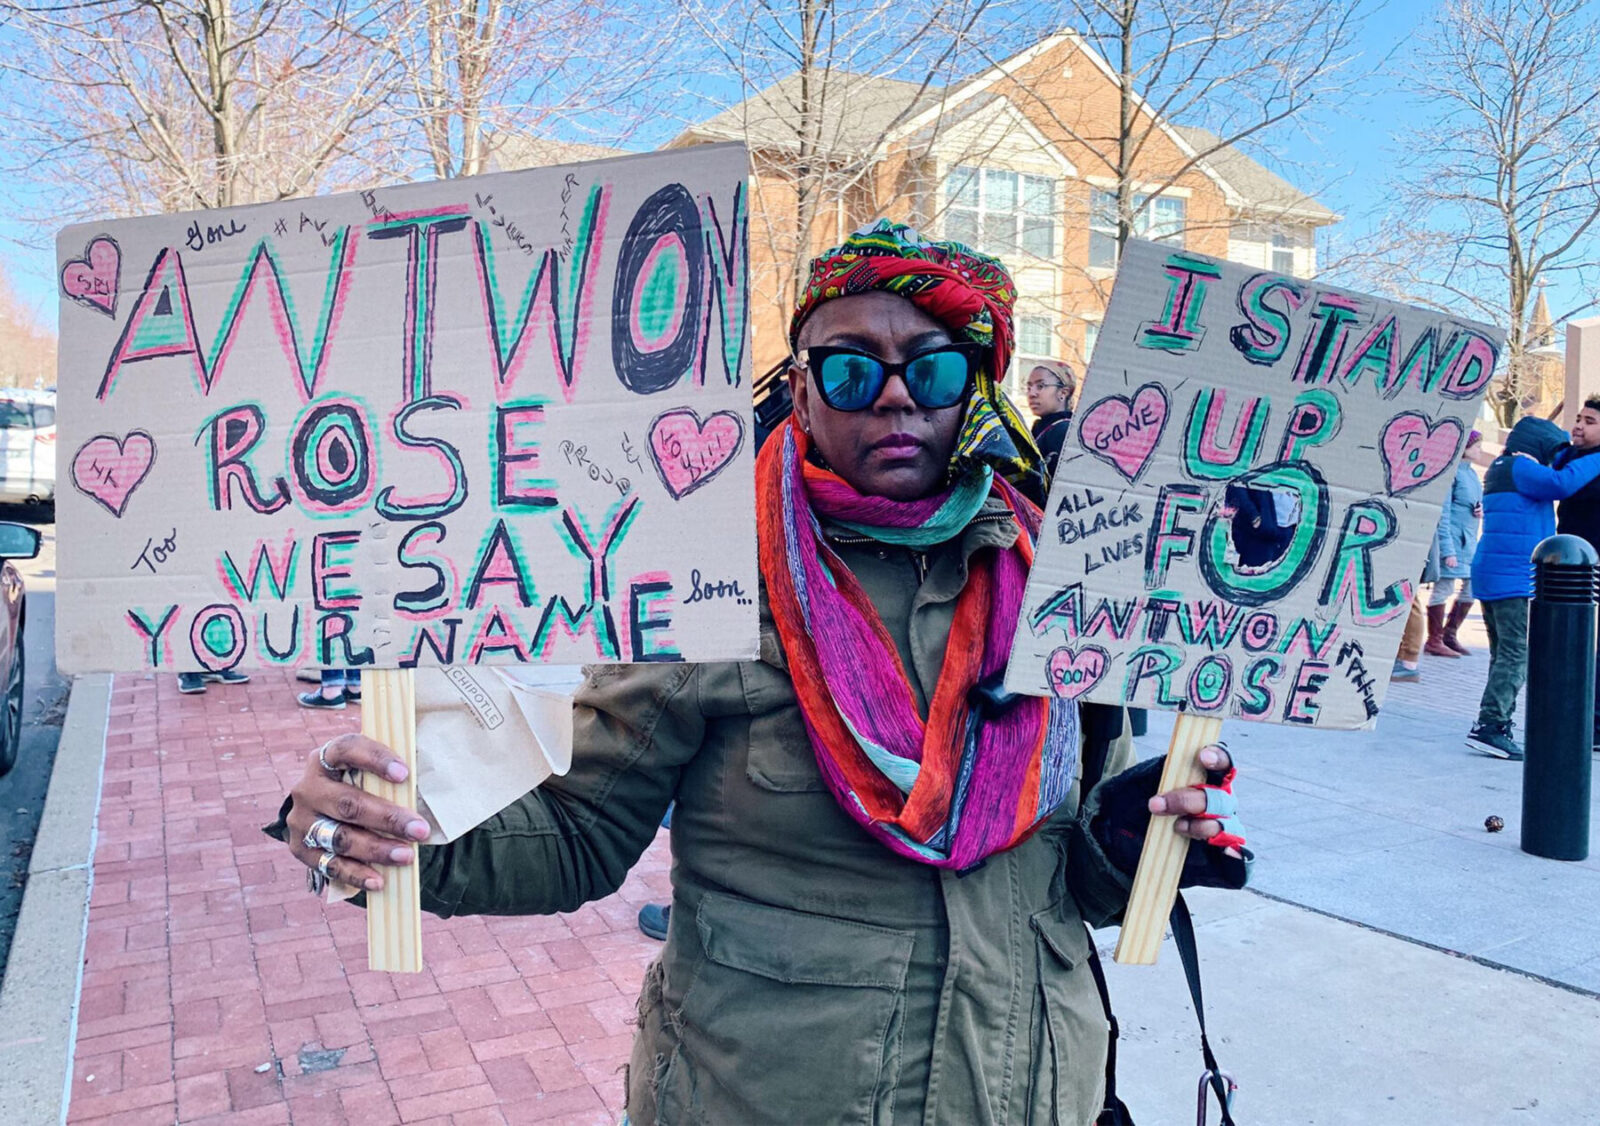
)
(1579, 514)
(1518, 512)
(1050, 391)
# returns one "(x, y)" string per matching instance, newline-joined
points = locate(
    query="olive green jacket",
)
(810, 975)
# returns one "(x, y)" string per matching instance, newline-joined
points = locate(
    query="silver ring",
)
(322, 757)
(320, 835)
(323, 861)
(316, 882)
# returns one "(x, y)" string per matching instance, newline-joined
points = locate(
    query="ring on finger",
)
(322, 757)
(324, 861)
(316, 881)
(321, 833)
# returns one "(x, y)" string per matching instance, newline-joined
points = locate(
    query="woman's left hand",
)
(1205, 811)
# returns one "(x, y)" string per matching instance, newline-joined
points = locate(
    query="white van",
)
(27, 446)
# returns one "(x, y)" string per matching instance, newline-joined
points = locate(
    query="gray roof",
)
(1261, 189)
(857, 111)
(513, 152)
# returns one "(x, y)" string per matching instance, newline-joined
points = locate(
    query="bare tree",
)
(478, 71)
(824, 89)
(1500, 194)
(1192, 78)
(27, 347)
(130, 105)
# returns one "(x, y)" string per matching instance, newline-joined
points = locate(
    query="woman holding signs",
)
(881, 868)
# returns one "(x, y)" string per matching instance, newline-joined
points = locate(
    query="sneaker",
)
(227, 676)
(1494, 739)
(318, 701)
(653, 919)
(1403, 675)
(352, 695)
(191, 682)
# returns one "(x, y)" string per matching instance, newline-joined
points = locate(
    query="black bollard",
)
(1561, 657)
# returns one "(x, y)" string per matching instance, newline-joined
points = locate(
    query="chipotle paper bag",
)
(485, 737)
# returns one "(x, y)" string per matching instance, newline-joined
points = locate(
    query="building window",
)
(1036, 340)
(961, 192)
(1282, 254)
(1001, 212)
(1035, 337)
(1102, 229)
(1039, 216)
(1163, 218)
(1091, 335)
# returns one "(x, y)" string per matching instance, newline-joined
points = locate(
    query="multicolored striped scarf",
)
(969, 293)
(984, 769)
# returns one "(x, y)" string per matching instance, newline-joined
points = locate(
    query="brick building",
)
(1000, 161)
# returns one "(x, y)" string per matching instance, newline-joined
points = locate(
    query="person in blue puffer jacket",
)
(1519, 492)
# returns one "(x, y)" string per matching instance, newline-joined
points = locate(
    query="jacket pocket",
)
(780, 756)
(791, 1018)
(1069, 1025)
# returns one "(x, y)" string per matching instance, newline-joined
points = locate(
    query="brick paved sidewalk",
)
(216, 990)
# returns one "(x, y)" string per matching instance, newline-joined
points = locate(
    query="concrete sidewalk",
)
(1324, 1022)
(1386, 828)
(216, 990)
(1388, 1002)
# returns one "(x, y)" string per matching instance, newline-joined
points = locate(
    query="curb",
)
(39, 1003)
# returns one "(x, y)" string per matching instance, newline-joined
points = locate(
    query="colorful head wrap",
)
(972, 295)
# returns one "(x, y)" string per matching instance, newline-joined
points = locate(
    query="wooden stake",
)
(394, 915)
(1155, 884)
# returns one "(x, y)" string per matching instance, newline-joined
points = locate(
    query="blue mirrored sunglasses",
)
(849, 379)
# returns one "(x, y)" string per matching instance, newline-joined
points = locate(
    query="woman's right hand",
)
(372, 833)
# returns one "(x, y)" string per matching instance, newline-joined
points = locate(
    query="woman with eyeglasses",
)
(881, 868)
(1050, 391)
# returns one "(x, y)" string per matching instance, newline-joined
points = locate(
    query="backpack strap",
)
(1183, 939)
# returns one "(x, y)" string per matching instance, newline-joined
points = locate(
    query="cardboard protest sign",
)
(486, 421)
(1244, 504)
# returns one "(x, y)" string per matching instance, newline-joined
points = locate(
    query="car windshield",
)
(17, 416)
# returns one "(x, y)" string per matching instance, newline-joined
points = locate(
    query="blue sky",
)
(1340, 153)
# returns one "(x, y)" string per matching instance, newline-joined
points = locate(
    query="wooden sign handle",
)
(1155, 884)
(394, 914)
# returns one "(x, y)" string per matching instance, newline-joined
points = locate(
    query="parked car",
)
(17, 541)
(27, 446)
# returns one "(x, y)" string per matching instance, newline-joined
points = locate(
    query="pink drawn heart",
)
(1415, 451)
(109, 469)
(1123, 432)
(92, 280)
(1074, 673)
(688, 452)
